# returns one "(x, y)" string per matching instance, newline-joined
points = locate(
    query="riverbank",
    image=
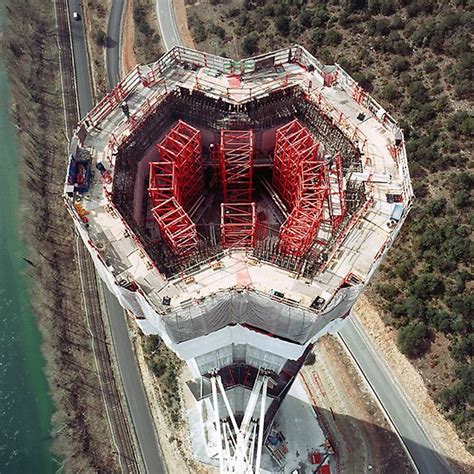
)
(80, 435)
(26, 406)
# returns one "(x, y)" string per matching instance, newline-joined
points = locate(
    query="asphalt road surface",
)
(81, 59)
(132, 383)
(112, 52)
(167, 22)
(133, 386)
(427, 460)
(393, 400)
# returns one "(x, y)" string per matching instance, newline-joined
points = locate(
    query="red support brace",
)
(294, 144)
(162, 182)
(176, 227)
(301, 227)
(236, 162)
(182, 147)
(238, 224)
(174, 184)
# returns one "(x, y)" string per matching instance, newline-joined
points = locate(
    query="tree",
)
(390, 92)
(217, 30)
(461, 123)
(282, 24)
(152, 343)
(426, 286)
(413, 339)
(305, 18)
(250, 43)
(399, 64)
(100, 38)
(333, 37)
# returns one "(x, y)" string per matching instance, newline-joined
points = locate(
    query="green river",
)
(25, 405)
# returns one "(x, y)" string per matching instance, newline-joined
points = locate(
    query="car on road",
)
(76, 16)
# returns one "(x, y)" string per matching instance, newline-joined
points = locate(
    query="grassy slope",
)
(415, 57)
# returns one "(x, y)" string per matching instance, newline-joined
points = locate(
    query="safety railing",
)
(118, 94)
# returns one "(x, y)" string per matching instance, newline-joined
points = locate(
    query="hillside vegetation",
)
(416, 58)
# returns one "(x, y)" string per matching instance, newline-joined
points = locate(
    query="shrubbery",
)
(412, 339)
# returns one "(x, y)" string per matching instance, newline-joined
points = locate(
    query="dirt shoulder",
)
(128, 38)
(357, 429)
(96, 15)
(441, 431)
(181, 16)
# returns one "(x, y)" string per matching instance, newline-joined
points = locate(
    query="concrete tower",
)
(238, 209)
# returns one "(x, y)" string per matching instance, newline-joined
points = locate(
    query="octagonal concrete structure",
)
(237, 313)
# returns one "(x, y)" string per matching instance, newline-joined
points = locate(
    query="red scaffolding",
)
(236, 161)
(301, 227)
(238, 224)
(162, 182)
(175, 226)
(182, 147)
(174, 184)
(294, 144)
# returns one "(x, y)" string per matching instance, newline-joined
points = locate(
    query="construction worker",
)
(125, 109)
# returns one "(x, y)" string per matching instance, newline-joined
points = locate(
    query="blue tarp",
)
(79, 174)
(397, 212)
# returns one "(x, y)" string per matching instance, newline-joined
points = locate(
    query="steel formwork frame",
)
(301, 227)
(236, 165)
(337, 198)
(294, 144)
(162, 183)
(238, 224)
(182, 147)
(175, 226)
(175, 181)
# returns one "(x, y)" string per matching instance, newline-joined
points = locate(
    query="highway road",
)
(392, 399)
(112, 52)
(167, 24)
(133, 386)
(134, 392)
(395, 404)
(81, 59)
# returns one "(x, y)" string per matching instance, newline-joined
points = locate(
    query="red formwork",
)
(176, 227)
(182, 147)
(236, 163)
(162, 182)
(337, 199)
(238, 224)
(175, 182)
(301, 227)
(294, 144)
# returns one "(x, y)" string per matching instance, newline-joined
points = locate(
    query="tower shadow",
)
(361, 446)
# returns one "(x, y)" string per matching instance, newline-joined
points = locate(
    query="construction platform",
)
(238, 209)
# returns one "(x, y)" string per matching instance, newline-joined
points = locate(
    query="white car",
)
(76, 16)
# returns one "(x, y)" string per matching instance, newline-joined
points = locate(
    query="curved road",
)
(395, 404)
(132, 383)
(112, 52)
(81, 59)
(167, 24)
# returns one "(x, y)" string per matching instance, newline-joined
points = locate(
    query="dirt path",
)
(358, 430)
(441, 431)
(128, 37)
(182, 23)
